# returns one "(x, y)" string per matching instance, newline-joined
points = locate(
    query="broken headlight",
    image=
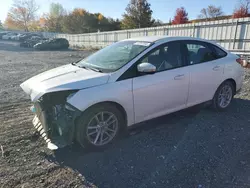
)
(71, 95)
(69, 107)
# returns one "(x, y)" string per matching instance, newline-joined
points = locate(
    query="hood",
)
(67, 77)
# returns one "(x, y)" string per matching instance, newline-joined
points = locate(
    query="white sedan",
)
(8, 36)
(16, 37)
(94, 100)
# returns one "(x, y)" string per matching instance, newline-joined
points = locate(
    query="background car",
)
(27, 36)
(3, 33)
(8, 36)
(13, 37)
(95, 99)
(53, 44)
(20, 38)
(29, 43)
(16, 37)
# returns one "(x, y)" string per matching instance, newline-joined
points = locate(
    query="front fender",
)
(119, 92)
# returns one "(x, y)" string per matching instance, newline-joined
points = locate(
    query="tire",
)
(217, 103)
(87, 121)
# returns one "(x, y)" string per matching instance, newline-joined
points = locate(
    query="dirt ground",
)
(185, 149)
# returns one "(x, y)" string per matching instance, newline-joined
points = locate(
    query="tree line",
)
(138, 14)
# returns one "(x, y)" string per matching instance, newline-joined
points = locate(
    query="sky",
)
(162, 9)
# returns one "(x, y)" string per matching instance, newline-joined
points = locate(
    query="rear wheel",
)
(223, 96)
(99, 126)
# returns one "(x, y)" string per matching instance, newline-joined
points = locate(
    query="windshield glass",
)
(114, 56)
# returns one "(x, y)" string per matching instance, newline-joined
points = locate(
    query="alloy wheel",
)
(102, 128)
(225, 96)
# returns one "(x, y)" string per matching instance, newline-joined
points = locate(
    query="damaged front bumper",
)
(55, 123)
(39, 127)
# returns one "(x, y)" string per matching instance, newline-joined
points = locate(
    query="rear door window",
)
(198, 52)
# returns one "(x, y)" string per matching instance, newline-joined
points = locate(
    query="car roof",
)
(163, 38)
(146, 38)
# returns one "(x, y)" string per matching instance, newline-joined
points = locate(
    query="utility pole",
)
(139, 6)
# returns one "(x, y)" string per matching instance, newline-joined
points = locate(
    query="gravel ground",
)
(185, 149)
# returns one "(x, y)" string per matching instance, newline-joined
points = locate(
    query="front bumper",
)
(39, 127)
(56, 128)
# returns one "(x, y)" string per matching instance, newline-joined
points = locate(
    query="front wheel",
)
(99, 126)
(223, 96)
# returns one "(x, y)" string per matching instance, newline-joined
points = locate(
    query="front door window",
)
(165, 57)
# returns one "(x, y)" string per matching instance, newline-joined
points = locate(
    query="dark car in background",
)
(53, 44)
(29, 43)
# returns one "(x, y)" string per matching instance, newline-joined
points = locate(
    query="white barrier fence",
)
(232, 34)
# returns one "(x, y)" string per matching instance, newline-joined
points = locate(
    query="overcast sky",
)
(162, 9)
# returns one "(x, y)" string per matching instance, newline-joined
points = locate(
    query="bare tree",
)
(211, 12)
(245, 3)
(204, 13)
(22, 13)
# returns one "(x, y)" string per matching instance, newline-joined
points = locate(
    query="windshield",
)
(114, 56)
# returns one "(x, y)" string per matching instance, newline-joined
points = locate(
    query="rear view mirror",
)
(147, 68)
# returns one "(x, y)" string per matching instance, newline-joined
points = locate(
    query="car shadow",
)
(185, 149)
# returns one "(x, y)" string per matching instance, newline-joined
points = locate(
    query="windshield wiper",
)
(74, 63)
(91, 68)
(94, 69)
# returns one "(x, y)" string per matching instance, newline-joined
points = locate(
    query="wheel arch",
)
(233, 83)
(214, 100)
(119, 107)
(231, 80)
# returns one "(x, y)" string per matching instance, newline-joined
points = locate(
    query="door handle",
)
(216, 68)
(179, 77)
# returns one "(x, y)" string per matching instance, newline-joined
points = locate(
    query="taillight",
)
(239, 60)
(242, 62)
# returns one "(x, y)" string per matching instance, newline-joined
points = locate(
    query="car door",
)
(206, 71)
(166, 90)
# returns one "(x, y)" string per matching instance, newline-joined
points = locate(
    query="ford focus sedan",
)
(94, 100)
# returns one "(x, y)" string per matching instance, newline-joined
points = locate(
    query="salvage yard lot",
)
(185, 149)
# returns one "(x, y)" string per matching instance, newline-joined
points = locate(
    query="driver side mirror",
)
(146, 68)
